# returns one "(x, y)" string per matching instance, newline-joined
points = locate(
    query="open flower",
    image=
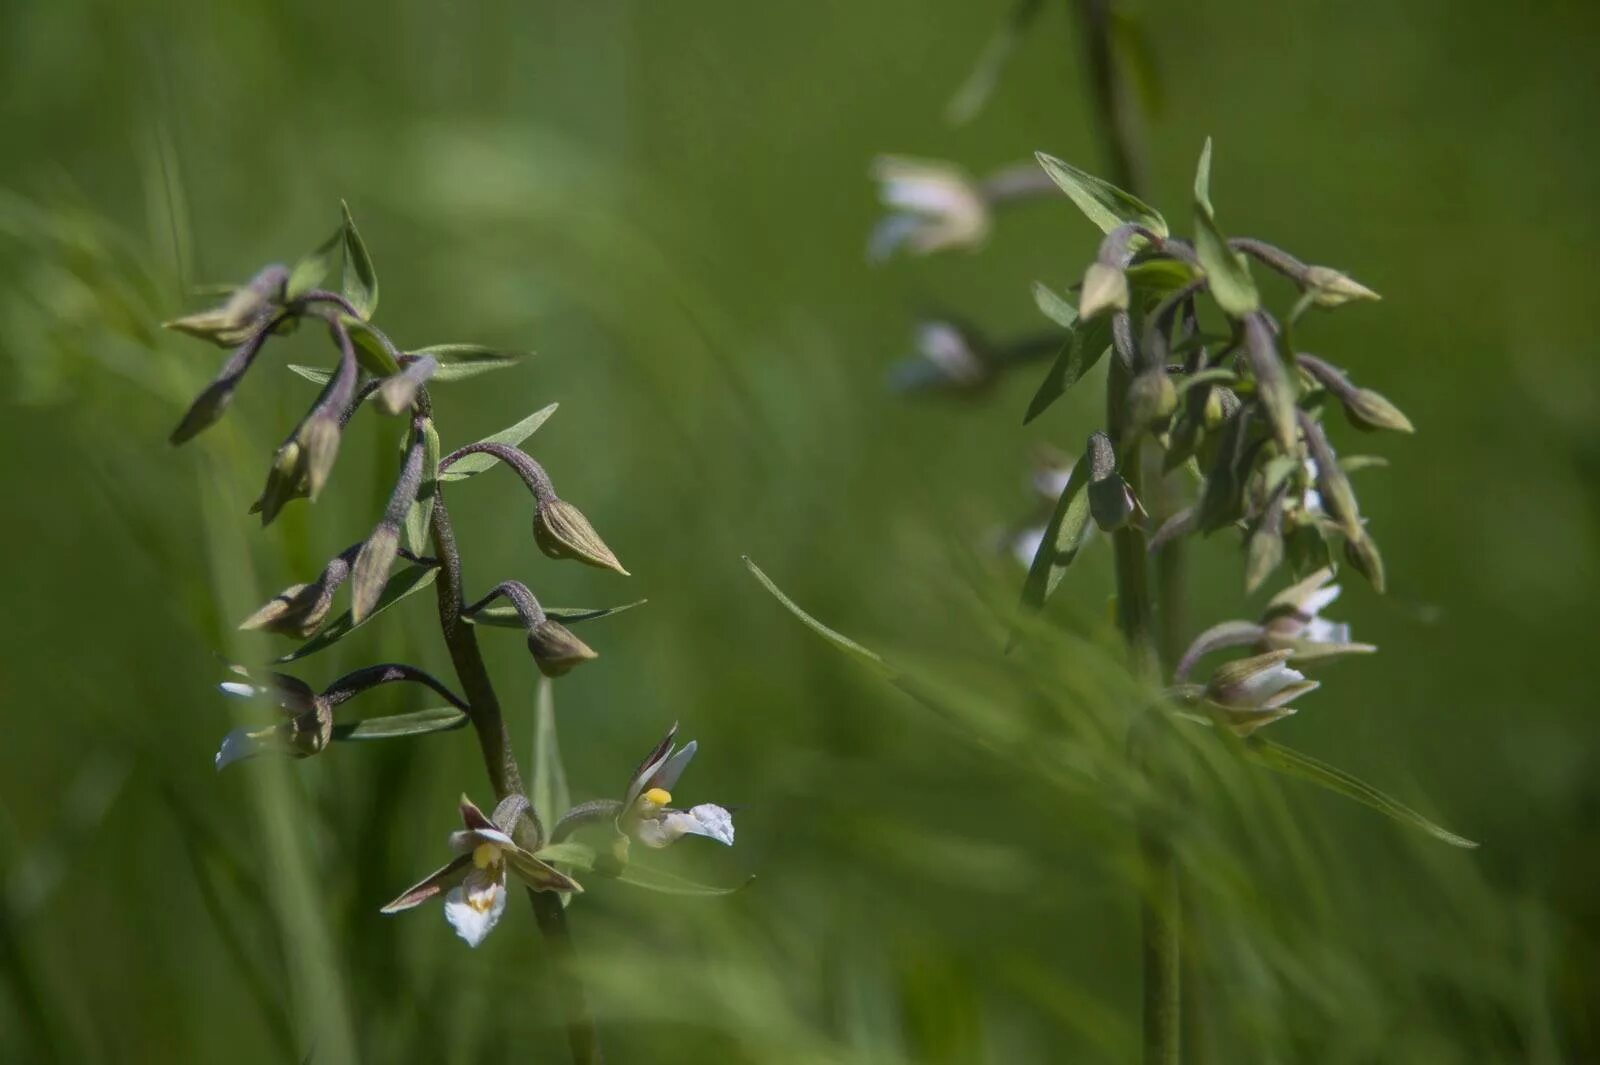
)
(933, 206)
(1293, 621)
(1256, 691)
(647, 814)
(474, 882)
(307, 729)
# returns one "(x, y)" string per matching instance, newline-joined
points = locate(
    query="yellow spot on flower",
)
(657, 796)
(486, 854)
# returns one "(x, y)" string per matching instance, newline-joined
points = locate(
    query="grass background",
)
(668, 203)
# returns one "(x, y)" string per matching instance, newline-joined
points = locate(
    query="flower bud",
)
(285, 481)
(1274, 390)
(562, 531)
(1111, 501)
(370, 575)
(1256, 691)
(1152, 398)
(297, 611)
(555, 649)
(399, 391)
(1362, 553)
(1105, 287)
(319, 440)
(1364, 408)
(233, 322)
(1332, 288)
(1221, 403)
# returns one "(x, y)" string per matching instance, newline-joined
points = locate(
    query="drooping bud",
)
(371, 572)
(1333, 288)
(1221, 403)
(1364, 408)
(1336, 495)
(555, 649)
(319, 443)
(285, 481)
(561, 531)
(1362, 553)
(238, 317)
(1105, 288)
(1111, 501)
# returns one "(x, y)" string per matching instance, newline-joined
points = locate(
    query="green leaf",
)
(670, 883)
(360, 280)
(1202, 180)
(1159, 277)
(417, 723)
(549, 795)
(310, 271)
(376, 357)
(513, 436)
(1089, 341)
(457, 362)
(1106, 205)
(1292, 763)
(408, 581)
(871, 658)
(1064, 535)
(579, 855)
(1227, 272)
(505, 616)
(317, 375)
(1053, 306)
(980, 84)
(419, 519)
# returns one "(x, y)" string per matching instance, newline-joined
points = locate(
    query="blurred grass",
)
(669, 204)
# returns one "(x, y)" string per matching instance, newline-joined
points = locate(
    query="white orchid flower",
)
(474, 882)
(647, 814)
(1293, 620)
(1256, 691)
(933, 206)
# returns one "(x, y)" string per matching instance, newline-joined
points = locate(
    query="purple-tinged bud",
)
(1364, 408)
(1274, 390)
(556, 650)
(319, 443)
(241, 314)
(1252, 692)
(1111, 501)
(562, 531)
(1332, 288)
(1105, 288)
(399, 391)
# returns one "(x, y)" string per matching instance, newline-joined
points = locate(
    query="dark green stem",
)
(506, 777)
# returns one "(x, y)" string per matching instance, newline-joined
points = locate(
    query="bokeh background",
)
(669, 204)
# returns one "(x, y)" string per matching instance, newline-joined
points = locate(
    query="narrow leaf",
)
(457, 362)
(309, 272)
(872, 658)
(550, 795)
(670, 883)
(374, 355)
(569, 852)
(408, 581)
(513, 436)
(417, 723)
(505, 616)
(1202, 180)
(1064, 535)
(1292, 763)
(317, 375)
(1083, 349)
(360, 281)
(1106, 205)
(1053, 306)
(1226, 270)
(980, 84)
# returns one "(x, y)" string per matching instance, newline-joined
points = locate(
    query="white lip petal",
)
(711, 821)
(236, 746)
(1319, 600)
(1321, 630)
(473, 907)
(1256, 690)
(1025, 547)
(239, 690)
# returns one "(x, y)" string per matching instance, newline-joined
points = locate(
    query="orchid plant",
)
(415, 531)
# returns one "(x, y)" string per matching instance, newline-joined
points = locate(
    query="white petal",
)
(473, 907)
(239, 690)
(667, 776)
(1025, 547)
(711, 821)
(1321, 630)
(237, 746)
(944, 345)
(1257, 689)
(1318, 601)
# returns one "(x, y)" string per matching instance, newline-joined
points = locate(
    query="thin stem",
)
(504, 776)
(527, 467)
(1119, 124)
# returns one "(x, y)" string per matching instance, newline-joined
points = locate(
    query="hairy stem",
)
(504, 776)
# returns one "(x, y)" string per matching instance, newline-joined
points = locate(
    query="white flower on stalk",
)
(306, 729)
(1293, 620)
(1256, 691)
(647, 814)
(933, 206)
(474, 882)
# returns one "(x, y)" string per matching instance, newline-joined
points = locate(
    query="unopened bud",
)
(1252, 692)
(234, 321)
(1221, 404)
(207, 407)
(298, 611)
(319, 439)
(1333, 288)
(284, 482)
(399, 391)
(1152, 398)
(370, 575)
(1274, 390)
(555, 649)
(561, 531)
(1362, 553)
(1111, 501)
(1105, 288)
(1367, 409)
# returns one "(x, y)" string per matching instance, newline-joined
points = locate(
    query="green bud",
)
(1362, 553)
(285, 481)
(236, 319)
(1367, 409)
(1152, 398)
(319, 440)
(399, 391)
(370, 574)
(1333, 288)
(1105, 287)
(555, 649)
(207, 407)
(561, 531)
(1274, 389)
(299, 610)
